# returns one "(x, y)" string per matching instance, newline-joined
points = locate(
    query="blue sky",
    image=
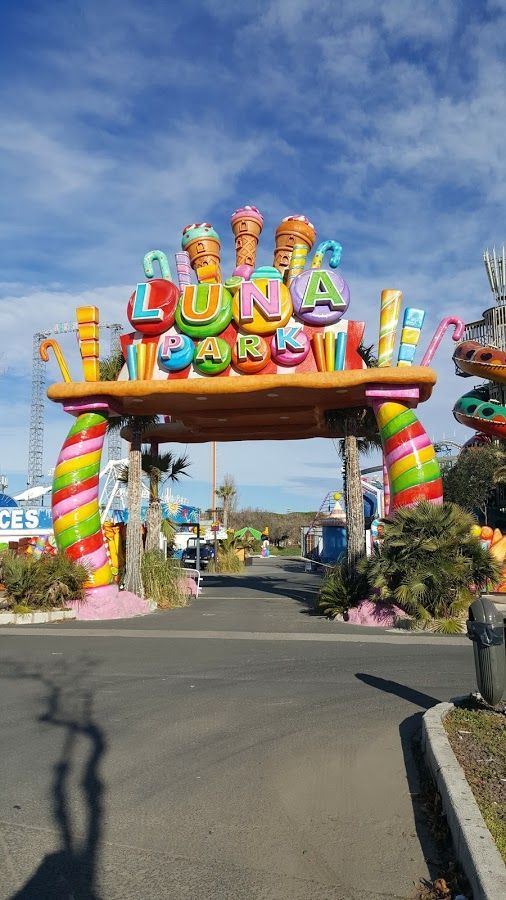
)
(123, 122)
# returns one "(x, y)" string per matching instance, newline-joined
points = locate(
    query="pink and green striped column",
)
(76, 515)
(410, 458)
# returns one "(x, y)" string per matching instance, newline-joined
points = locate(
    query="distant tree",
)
(283, 527)
(470, 481)
(228, 495)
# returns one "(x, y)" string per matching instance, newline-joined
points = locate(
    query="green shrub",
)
(46, 582)
(163, 580)
(227, 560)
(428, 563)
(343, 587)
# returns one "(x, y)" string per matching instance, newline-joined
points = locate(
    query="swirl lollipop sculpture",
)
(76, 515)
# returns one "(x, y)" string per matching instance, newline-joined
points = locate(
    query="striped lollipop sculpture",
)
(410, 458)
(76, 515)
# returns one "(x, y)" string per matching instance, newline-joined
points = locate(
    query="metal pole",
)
(213, 480)
(197, 552)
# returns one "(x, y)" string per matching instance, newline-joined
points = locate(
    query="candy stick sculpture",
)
(319, 351)
(183, 269)
(297, 262)
(340, 360)
(76, 516)
(447, 322)
(131, 360)
(60, 359)
(410, 335)
(322, 248)
(151, 350)
(87, 327)
(292, 230)
(330, 350)
(141, 360)
(247, 223)
(162, 261)
(389, 318)
(410, 458)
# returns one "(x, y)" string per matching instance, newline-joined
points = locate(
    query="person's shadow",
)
(70, 872)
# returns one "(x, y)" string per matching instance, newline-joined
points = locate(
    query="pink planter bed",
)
(110, 603)
(378, 615)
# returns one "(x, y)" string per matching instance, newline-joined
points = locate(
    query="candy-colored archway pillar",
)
(76, 515)
(410, 458)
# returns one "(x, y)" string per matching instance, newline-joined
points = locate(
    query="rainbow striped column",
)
(410, 458)
(76, 516)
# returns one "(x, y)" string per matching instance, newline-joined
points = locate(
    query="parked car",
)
(189, 557)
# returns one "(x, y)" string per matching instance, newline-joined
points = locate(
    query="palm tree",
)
(137, 425)
(159, 467)
(228, 494)
(361, 435)
(110, 368)
(428, 561)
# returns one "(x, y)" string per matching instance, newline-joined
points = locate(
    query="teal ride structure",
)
(483, 355)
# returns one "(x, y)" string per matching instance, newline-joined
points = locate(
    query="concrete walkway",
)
(238, 749)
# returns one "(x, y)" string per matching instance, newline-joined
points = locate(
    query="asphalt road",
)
(238, 749)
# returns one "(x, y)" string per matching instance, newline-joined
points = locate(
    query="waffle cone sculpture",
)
(247, 223)
(202, 244)
(292, 230)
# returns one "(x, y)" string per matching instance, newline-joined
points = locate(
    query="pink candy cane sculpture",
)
(445, 323)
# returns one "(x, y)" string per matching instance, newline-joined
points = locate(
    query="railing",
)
(316, 562)
(195, 575)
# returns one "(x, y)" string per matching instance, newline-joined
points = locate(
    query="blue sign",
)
(25, 520)
(177, 514)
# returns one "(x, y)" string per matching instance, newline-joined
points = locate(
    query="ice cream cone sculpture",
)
(202, 244)
(292, 230)
(389, 317)
(247, 223)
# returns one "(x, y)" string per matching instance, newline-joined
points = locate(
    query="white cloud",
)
(383, 123)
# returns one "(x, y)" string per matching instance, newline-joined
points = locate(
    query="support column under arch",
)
(76, 515)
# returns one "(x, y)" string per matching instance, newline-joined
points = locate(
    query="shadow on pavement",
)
(277, 584)
(416, 773)
(400, 690)
(69, 873)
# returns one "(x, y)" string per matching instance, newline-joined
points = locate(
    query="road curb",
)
(36, 618)
(473, 843)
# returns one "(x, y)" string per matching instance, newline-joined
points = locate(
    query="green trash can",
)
(485, 627)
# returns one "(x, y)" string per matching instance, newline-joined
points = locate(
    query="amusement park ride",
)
(36, 436)
(265, 354)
